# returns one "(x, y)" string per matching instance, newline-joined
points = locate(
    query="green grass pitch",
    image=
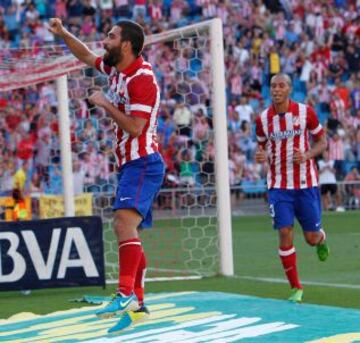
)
(258, 271)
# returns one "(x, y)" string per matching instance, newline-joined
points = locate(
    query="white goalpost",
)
(196, 235)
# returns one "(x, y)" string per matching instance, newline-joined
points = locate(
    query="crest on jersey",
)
(296, 121)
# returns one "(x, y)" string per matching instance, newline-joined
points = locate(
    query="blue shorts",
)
(138, 183)
(302, 204)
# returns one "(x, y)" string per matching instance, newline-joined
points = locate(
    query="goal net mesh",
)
(184, 240)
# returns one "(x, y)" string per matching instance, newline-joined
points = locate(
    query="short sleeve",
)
(143, 94)
(313, 124)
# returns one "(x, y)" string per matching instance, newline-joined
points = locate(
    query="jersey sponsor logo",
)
(296, 121)
(280, 135)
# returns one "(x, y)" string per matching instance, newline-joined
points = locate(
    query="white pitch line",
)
(162, 278)
(310, 283)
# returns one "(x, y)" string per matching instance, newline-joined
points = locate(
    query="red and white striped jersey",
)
(135, 92)
(281, 135)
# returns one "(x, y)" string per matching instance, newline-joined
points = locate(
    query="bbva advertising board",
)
(51, 253)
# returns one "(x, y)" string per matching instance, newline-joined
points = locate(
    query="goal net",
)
(48, 89)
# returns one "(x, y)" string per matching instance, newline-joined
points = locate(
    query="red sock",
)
(288, 259)
(129, 257)
(140, 280)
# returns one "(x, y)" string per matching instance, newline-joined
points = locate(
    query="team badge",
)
(296, 121)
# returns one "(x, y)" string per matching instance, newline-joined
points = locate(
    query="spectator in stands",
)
(182, 119)
(342, 92)
(236, 169)
(246, 143)
(352, 56)
(274, 62)
(328, 184)
(200, 127)
(88, 10)
(36, 185)
(43, 155)
(322, 92)
(61, 9)
(357, 146)
(233, 121)
(337, 107)
(337, 67)
(355, 96)
(89, 166)
(74, 11)
(235, 84)
(121, 9)
(186, 169)
(54, 185)
(244, 110)
(353, 190)
(12, 24)
(139, 9)
(31, 15)
(103, 167)
(22, 177)
(79, 177)
(336, 152)
(2, 176)
(166, 128)
(89, 133)
(20, 210)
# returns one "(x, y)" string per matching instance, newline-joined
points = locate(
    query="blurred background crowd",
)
(316, 42)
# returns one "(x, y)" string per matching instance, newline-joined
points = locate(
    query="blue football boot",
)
(118, 305)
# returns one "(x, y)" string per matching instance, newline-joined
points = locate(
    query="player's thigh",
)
(138, 183)
(281, 208)
(308, 209)
(150, 184)
(129, 179)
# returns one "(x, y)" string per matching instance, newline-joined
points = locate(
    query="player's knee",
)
(286, 236)
(312, 239)
(125, 225)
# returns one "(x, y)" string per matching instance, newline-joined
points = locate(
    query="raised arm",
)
(78, 48)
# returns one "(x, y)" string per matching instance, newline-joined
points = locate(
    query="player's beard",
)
(113, 57)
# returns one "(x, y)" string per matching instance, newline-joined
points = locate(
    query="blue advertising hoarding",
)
(61, 252)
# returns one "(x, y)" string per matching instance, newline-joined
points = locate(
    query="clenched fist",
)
(260, 155)
(56, 27)
(299, 156)
(98, 99)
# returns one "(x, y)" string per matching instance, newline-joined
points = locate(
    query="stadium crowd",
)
(317, 43)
